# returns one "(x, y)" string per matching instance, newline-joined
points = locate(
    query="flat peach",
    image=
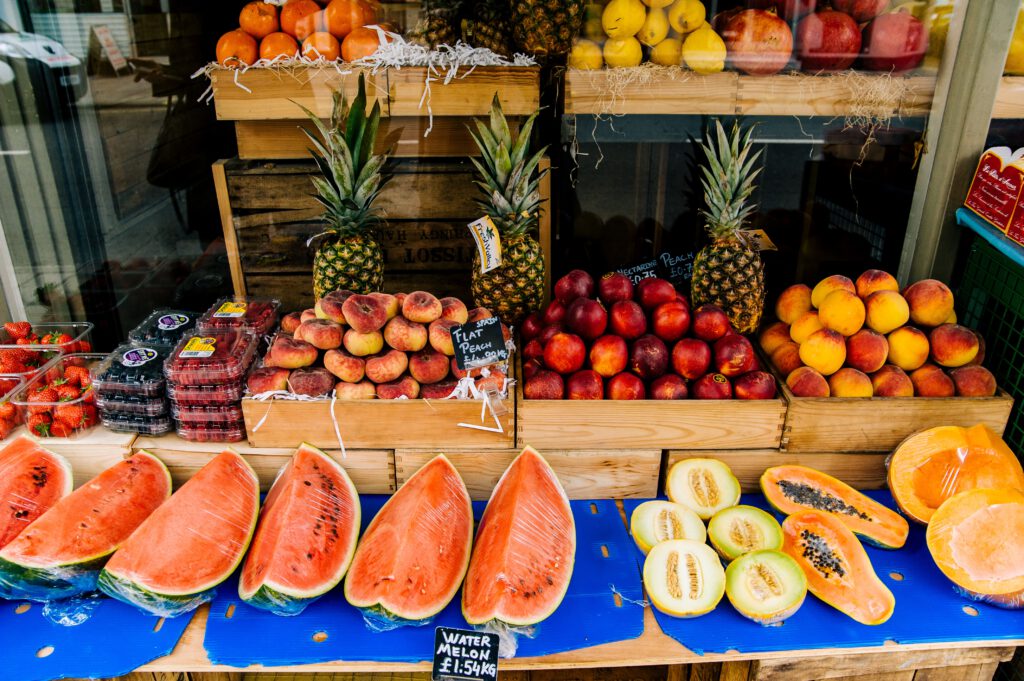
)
(403, 387)
(908, 348)
(346, 367)
(454, 309)
(440, 332)
(836, 282)
(804, 326)
(363, 390)
(848, 382)
(363, 344)
(793, 302)
(824, 350)
(387, 366)
(842, 311)
(886, 311)
(401, 334)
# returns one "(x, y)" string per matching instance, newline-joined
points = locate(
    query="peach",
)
(440, 333)
(428, 366)
(951, 319)
(365, 314)
(953, 345)
(267, 379)
(931, 381)
(793, 302)
(307, 315)
(478, 313)
(455, 309)
(973, 381)
(668, 387)
(289, 353)
(312, 382)
(496, 381)
(332, 306)
(401, 334)
(980, 357)
(842, 311)
(786, 358)
(585, 384)
(422, 307)
(363, 390)
(867, 351)
(609, 355)
(908, 348)
(824, 350)
(544, 385)
(363, 344)
(931, 302)
(387, 366)
(400, 297)
(391, 306)
(804, 326)
(322, 334)
(406, 386)
(807, 382)
(849, 382)
(773, 336)
(291, 321)
(886, 311)
(875, 280)
(836, 282)
(891, 381)
(346, 367)
(437, 391)
(754, 385)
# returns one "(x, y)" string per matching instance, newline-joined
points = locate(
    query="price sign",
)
(465, 655)
(479, 344)
(675, 267)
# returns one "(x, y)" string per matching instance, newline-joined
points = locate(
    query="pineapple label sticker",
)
(479, 344)
(488, 242)
(465, 655)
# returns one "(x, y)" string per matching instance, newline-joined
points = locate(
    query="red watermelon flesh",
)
(32, 479)
(413, 556)
(306, 535)
(525, 547)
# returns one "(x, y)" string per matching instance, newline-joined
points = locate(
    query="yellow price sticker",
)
(198, 347)
(231, 309)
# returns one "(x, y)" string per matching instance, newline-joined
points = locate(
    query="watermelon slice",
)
(61, 553)
(306, 536)
(32, 479)
(194, 541)
(525, 547)
(413, 556)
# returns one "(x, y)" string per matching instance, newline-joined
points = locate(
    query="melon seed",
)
(821, 555)
(704, 487)
(693, 570)
(762, 582)
(812, 497)
(672, 576)
(746, 535)
(669, 526)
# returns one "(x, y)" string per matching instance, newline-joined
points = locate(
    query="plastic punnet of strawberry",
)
(10, 417)
(60, 401)
(65, 337)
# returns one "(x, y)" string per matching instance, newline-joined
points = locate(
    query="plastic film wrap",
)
(32, 479)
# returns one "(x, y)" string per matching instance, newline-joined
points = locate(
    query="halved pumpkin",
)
(977, 540)
(791, 489)
(933, 465)
(838, 569)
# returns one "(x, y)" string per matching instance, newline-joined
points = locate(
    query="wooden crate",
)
(90, 454)
(584, 474)
(271, 94)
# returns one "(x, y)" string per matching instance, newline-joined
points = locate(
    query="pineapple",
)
(509, 182)
(348, 255)
(546, 27)
(439, 23)
(728, 272)
(490, 26)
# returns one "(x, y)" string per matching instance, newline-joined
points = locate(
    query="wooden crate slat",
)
(468, 94)
(810, 95)
(584, 474)
(274, 94)
(838, 666)
(1009, 98)
(593, 92)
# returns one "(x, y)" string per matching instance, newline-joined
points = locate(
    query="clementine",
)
(278, 45)
(361, 42)
(342, 16)
(236, 48)
(321, 45)
(296, 12)
(258, 19)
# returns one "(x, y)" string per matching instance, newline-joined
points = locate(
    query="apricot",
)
(786, 358)
(807, 382)
(973, 381)
(849, 382)
(842, 311)
(931, 302)
(804, 326)
(875, 280)
(836, 282)
(931, 381)
(773, 336)
(908, 348)
(891, 381)
(953, 345)
(793, 302)
(867, 350)
(886, 311)
(824, 350)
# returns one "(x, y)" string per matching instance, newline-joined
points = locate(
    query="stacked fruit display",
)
(25, 348)
(60, 401)
(580, 350)
(131, 391)
(375, 345)
(869, 339)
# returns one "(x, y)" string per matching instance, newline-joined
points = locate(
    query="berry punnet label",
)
(170, 322)
(136, 357)
(231, 309)
(488, 242)
(198, 347)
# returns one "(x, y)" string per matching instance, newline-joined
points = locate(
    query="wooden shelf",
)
(1010, 98)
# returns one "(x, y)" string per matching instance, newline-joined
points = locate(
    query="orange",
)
(278, 45)
(258, 19)
(299, 11)
(321, 44)
(342, 16)
(236, 48)
(361, 42)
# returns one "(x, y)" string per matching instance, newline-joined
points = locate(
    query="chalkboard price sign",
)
(479, 344)
(675, 267)
(465, 655)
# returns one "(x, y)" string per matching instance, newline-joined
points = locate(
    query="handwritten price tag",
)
(465, 655)
(479, 344)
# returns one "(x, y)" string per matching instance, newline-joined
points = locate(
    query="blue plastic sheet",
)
(331, 629)
(928, 610)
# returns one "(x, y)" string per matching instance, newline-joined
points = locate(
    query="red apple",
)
(544, 385)
(652, 292)
(614, 287)
(712, 387)
(710, 323)
(587, 318)
(861, 10)
(625, 386)
(534, 349)
(668, 387)
(548, 332)
(648, 357)
(893, 42)
(827, 41)
(691, 358)
(789, 10)
(585, 385)
(734, 355)
(670, 321)
(609, 355)
(565, 353)
(554, 313)
(755, 385)
(627, 319)
(531, 326)
(757, 42)
(575, 284)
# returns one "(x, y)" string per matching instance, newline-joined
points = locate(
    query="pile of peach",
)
(867, 338)
(365, 346)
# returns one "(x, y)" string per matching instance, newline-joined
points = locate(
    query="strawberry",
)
(24, 341)
(18, 330)
(39, 424)
(76, 375)
(6, 427)
(11, 366)
(43, 394)
(58, 429)
(84, 346)
(90, 416)
(8, 411)
(67, 392)
(73, 415)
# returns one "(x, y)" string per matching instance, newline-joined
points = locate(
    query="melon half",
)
(32, 479)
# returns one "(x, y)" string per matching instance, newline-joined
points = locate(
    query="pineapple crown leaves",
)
(352, 175)
(729, 179)
(508, 176)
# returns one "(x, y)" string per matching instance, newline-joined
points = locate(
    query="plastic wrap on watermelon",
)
(32, 479)
(43, 585)
(378, 620)
(159, 605)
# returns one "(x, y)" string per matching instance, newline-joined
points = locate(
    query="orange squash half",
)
(933, 465)
(977, 540)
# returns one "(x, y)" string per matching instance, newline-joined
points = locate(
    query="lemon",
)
(655, 28)
(686, 15)
(658, 4)
(1015, 58)
(586, 54)
(704, 51)
(668, 52)
(592, 30)
(623, 18)
(619, 52)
